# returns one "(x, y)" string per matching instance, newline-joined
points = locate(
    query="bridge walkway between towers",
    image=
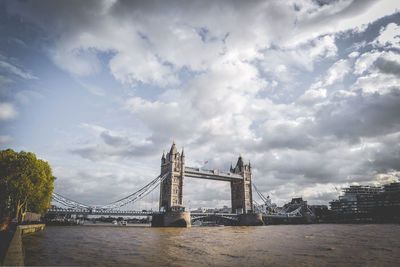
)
(211, 174)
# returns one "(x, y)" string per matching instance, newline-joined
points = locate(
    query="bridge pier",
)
(251, 219)
(171, 219)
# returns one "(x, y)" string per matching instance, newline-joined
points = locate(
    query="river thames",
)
(278, 245)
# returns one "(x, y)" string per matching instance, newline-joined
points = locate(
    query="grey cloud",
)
(322, 198)
(101, 153)
(114, 140)
(286, 137)
(112, 147)
(387, 157)
(324, 2)
(70, 14)
(360, 116)
(338, 125)
(90, 153)
(388, 66)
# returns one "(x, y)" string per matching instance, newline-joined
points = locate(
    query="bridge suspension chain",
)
(141, 193)
(138, 195)
(258, 207)
(266, 200)
(68, 202)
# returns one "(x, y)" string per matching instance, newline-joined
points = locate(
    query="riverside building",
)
(368, 203)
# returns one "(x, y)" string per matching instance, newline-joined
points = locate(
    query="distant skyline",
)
(308, 91)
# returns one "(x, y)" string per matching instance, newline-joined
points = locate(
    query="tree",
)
(26, 182)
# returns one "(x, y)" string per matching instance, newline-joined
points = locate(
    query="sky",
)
(307, 91)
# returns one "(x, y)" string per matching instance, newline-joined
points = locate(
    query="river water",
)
(278, 245)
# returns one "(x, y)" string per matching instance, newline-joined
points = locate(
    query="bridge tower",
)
(171, 189)
(241, 190)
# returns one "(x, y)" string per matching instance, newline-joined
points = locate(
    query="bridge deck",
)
(102, 212)
(127, 213)
(211, 174)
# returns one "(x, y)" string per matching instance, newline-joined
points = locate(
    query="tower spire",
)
(173, 149)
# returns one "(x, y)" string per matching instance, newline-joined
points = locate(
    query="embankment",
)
(15, 252)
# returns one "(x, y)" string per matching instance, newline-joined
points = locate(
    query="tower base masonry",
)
(171, 219)
(250, 219)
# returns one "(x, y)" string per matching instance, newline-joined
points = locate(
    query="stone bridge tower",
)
(242, 191)
(171, 190)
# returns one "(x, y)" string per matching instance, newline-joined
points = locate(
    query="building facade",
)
(378, 203)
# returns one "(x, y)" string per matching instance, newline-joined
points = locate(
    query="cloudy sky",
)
(308, 91)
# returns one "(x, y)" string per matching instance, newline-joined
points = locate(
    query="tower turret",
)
(241, 191)
(171, 190)
(173, 149)
(240, 164)
(163, 158)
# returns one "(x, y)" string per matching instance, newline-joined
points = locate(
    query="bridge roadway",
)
(150, 213)
(102, 212)
(128, 213)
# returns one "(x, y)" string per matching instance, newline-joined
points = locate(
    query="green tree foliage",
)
(26, 182)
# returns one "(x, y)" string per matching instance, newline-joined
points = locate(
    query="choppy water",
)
(279, 245)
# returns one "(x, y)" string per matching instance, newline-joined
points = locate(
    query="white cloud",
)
(354, 54)
(5, 139)
(283, 63)
(376, 83)
(154, 50)
(380, 72)
(337, 71)
(365, 61)
(385, 178)
(312, 96)
(216, 71)
(339, 16)
(129, 68)
(389, 36)
(7, 111)
(13, 69)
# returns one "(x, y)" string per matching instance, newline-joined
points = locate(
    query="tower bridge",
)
(171, 181)
(171, 190)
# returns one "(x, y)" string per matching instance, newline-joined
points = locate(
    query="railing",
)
(132, 213)
(206, 214)
(102, 212)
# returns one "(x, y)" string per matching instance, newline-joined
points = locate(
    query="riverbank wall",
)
(15, 252)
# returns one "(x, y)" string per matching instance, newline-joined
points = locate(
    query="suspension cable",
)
(138, 195)
(144, 191)
(68, 202)
(266, 200)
